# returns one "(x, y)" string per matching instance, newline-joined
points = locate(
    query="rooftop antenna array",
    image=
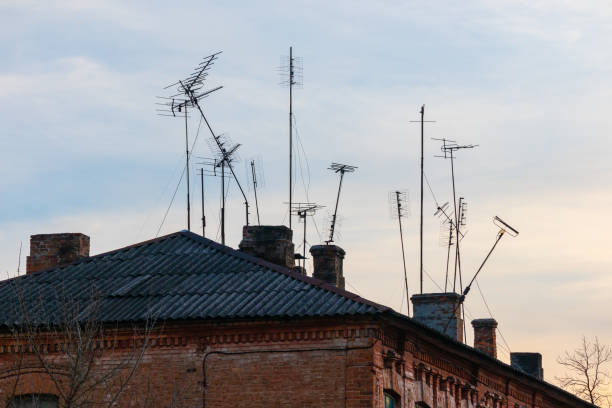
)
(422, 121)
(189, 93)
(186, 94)
(291, 73)
(399, 200)
(303, 210)
(447, 236)
(448, 148)
(338, 168)
(504, 228)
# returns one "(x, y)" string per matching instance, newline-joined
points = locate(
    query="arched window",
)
(391, 401)
(33, 401)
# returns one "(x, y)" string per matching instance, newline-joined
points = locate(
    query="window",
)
(33, 401)
(391, 401)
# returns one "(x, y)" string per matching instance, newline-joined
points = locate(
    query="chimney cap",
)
(484, 323)
(327, 248)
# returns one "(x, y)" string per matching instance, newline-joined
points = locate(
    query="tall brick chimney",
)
(327, 264)
(439, 310)
(530, 363)
(274, 243)
(485, 338)
(51, 250)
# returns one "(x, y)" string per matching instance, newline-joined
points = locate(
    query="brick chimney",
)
(439, 310)
(530, 363)
(51, 250)
(485, 339)
(270, 242)
(327, 264)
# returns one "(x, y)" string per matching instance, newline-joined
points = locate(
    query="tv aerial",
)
(341, 169)
(398, 201)
(188, 93)
(449, 149)
(303, 210)
(185, 95)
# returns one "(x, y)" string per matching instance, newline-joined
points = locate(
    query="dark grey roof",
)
(176, 277)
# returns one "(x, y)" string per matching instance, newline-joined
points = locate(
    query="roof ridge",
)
(285, 271)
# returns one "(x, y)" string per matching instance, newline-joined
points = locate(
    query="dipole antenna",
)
(422, 122)
(254, 177)
(449, 147)
(187, 90)
(291, 77)
(398, 200)
(303, 210)
(338, 168)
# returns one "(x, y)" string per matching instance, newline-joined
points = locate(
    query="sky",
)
(528, 82)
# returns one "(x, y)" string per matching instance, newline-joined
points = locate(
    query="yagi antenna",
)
(338, 168)
(303, 210)
(188, 93)
(448, 148)
(399, 200)
(184, 94)
(503, 229)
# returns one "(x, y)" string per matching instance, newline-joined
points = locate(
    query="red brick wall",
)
(317, 363)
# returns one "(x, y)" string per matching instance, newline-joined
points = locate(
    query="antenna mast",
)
(303, 210)
(398, 199)
(422, 121)
(201, 174)
(449, 147)
(254, 176)
(291, 76)
(338, 168)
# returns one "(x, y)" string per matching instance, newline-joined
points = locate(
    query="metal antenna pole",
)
(290, 131)
(203, 213)
(223, 202)
(255, 189)
(187, 171)
(422, 121)
(331, 232)
(399, 220)
(452, 160)
(304, 216)
(421, 220)
(450, 242)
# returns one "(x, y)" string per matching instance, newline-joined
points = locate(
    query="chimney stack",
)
(52, 250)
(327, 264)
(274, 243)
(439, 311)
(485, 338)
(530, 363)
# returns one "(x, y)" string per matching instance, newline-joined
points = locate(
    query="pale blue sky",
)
(529, 81)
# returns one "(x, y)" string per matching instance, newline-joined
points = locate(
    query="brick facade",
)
(341, 362)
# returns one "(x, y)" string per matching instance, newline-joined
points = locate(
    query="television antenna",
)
(188, 91)
(504, 228)
(398, 200)
(422, 121)
(338, 168)
(303, 210)
(448, 148)
(255, 184)
(291, 73)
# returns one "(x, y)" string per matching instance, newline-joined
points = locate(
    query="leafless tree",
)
(89, 362)
(587, 374)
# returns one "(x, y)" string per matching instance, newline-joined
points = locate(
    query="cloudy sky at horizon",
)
(527, 81)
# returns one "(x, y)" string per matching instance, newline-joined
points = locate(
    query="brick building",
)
(186, 322)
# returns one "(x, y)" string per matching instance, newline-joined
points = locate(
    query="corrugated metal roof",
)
(176, 277)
